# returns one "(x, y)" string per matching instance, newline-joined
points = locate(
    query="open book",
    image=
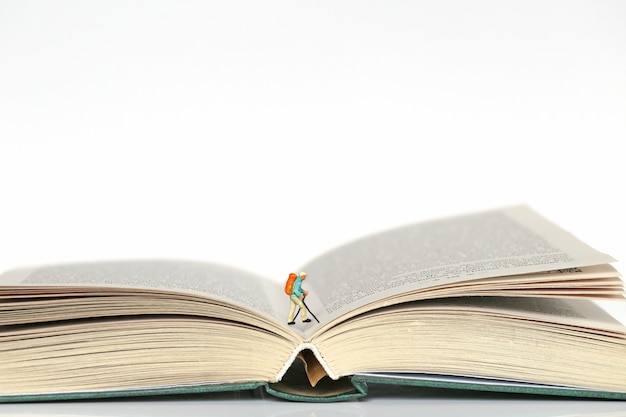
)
(498, 300)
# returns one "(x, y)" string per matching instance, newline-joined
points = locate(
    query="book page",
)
(214, 281)
(503, 242)
(538, 340)
(569, 312)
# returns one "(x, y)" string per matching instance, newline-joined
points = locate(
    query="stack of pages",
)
(499, 300)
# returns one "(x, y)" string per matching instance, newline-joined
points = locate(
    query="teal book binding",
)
(359, 390)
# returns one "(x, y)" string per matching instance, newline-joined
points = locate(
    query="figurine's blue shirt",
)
(297, 288)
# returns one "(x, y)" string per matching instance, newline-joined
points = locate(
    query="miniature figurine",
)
(293, 288)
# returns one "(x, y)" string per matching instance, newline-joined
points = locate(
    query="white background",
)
(260, 134)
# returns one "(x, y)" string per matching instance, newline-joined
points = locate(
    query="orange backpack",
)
(289, 283)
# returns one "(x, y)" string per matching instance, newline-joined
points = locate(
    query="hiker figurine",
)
(293, 288)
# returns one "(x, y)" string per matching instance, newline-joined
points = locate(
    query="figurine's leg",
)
(292, 309)
(302, 309)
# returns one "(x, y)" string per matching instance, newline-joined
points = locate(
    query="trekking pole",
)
(309, 310)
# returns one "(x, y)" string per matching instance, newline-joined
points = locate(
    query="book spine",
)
(294, 354)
